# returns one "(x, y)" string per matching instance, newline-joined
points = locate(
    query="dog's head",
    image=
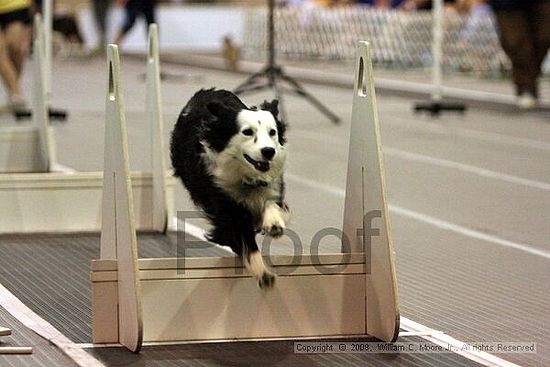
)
(254, 146)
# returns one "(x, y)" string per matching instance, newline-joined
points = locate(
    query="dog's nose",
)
(268, 152)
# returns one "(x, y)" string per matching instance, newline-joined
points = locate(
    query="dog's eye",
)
(272, 132)
(248, 132)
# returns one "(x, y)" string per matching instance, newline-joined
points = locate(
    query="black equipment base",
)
(55, 114)
(436, 108)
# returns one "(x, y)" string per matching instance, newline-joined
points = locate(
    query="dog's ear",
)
(272, 107)
(219, 109)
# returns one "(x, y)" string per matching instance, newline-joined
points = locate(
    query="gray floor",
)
(469, 195)
(51, 274)
(44, 354)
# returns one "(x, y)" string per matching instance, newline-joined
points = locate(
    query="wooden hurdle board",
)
(216, 299)
(200, 299)
(71, 202)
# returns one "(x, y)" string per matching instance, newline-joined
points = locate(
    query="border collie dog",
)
(231, 159)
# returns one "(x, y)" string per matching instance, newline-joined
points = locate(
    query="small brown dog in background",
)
(231, 54)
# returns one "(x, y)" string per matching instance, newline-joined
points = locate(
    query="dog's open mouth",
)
(259, 165)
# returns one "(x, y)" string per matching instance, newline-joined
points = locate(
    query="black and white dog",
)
(231, 160)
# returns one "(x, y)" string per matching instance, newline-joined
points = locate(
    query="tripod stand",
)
(274, 75)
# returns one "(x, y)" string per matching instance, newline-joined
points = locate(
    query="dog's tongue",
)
(262, 166)
(259, 165)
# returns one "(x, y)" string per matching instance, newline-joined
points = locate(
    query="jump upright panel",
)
(366, 205)
(118, 234)
(200, 299)
(47, 11)
(39, 97)
(156, 123)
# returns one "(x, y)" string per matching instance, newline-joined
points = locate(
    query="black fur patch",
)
(273, 107)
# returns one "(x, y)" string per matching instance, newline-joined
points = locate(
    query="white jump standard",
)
(136, 300)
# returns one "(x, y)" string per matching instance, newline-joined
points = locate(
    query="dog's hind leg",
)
(243, 243)
(254, 263)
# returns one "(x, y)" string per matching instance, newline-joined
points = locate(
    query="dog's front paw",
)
(274, 231)
(273, 223)
(267, 280)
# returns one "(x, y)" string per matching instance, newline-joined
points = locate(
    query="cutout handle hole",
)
(150, 50)
(111, 82)
(361, 82)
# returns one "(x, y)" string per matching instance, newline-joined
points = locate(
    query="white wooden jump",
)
(71, 202)
(200, 299)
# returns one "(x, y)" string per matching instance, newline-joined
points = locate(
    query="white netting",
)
(400, 39)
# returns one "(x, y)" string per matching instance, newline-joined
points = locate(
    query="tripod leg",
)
(251, 83)
(298, 89)
(279, 95)
(250, 89)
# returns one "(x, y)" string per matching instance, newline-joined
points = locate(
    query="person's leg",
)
(148, 9)
(101, 8)
(514, 36)
(131, 8)
(15, 44)
(540, 28)
(7, 70)
(17, 36)
(67, 25)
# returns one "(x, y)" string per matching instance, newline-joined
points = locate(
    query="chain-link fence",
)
(400, 39)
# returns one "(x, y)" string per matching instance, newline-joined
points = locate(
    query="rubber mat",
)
(51, 274)
(273, 354)
(44, 354)
(463, 297)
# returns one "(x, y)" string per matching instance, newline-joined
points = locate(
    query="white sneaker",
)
(17, 102)
(526, 101)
